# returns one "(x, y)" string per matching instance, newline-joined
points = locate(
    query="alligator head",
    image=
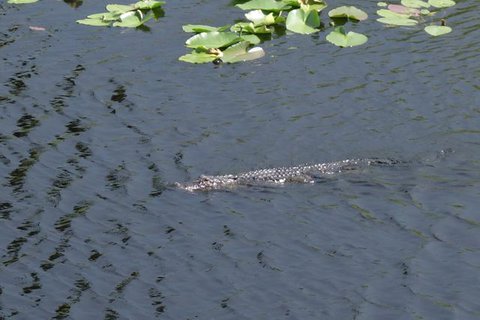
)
(205, 183)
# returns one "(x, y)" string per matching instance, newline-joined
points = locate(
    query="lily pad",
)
(349, 12)
(398, 21)
(199, 28)
(240, 52)
(441, 3)
(267, 5)
(437, 30)
(94, 22)
(382, 4)
(259, 18)
(415, 4)
(130, 16)
(303, 21)
(198, 57)
(148, 4)
(249, 27)
(132, 19)
(213, 39)
(253, 39)
(403, 10)
(318, 5)
(119, 8)
(341, 39)
(21, 1)
(391, 14)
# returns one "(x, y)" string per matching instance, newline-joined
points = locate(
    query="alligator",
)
(308, 173)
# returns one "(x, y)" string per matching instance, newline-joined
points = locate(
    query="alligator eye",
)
(217, 61)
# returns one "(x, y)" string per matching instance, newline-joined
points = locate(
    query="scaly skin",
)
(278, 176)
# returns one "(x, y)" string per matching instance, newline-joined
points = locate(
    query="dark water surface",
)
(94, 122)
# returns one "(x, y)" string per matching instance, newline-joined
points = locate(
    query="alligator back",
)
(278, 176)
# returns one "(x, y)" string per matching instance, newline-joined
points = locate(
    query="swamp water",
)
(94, 122)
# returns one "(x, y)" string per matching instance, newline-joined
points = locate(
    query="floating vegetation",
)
(235, 43)
(264, 19)
(411, 12)
(21, 1)
(128, 16)
(437, 30)
(348, 12)
(342, 39)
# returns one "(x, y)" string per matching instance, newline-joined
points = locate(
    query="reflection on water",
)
(95, 124)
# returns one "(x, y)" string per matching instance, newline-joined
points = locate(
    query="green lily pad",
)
(241, 52)
(198, 28)
(303, 21)
(341, 39)
(382, 4)
(441, 3)
(132, 19)
(253, 39)
(267, 5)
(425, 12)
(212, 39)
(437, 30)
(415, 4)
(398, 21)
(259, 18)
(94, 22)
(314, 4)
(130, 16)
(21, 1)
(119, 8)
(349, 12)
(390, 14)
(148, 4)
(198, 57)
(249, 27)
(105, 16)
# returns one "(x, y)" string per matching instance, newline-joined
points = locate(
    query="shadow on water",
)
(96, 123)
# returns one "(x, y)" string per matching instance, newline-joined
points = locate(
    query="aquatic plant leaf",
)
(349, 12)
(341, 39)
(21, 1)
(240, 52)
(148, 4)
(213, 39)
(199, 28)
(130, 19)
(415, 4)
(395, 21)
(119, 8)
(437, 30)
(403, 10)
(198, 57)
(382, 4)
(105, 16)
(318, 5)
(94, 22)
(249, 27)
(441, 3)
(425, 12)
(303, 21)
(259, 18)
(390, 14)
(267, 5)
(253, 39)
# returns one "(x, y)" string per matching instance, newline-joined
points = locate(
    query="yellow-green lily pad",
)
(437, 30)
(342, 39)
(349, 12)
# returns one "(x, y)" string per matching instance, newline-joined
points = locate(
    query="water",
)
(95, 122)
